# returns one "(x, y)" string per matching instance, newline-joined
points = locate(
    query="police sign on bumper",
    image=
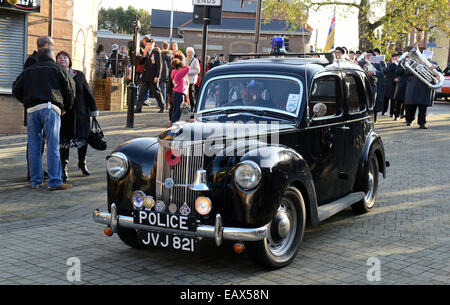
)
(207, 2)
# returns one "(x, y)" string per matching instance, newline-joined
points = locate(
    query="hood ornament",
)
(199, 184)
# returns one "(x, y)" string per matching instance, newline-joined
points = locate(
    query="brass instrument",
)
(420, 67)
(369, 65)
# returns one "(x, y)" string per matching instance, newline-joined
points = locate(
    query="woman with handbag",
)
(75, 125)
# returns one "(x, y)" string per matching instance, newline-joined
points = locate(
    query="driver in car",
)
(252, 96)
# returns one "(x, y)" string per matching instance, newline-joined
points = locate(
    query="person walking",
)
(180, 87)
(194, 71)
(418, 95)
(76, 123)
(150, 77)
(47, 92)
(400, 90)
(390, 85)
(166, 59)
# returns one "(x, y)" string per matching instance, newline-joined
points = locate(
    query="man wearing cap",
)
(150, 77)
(115, 58)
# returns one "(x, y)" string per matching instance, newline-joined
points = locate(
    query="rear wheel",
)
(368, 184)
(286, 230)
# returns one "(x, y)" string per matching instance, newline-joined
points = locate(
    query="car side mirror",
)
(319, 110)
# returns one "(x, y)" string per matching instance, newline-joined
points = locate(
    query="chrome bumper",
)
(216, 232)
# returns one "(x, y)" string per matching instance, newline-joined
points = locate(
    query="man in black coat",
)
(42, 42)
(47, 92)
(376, 75)
(150, 77)
(418, 95)
(400, 91)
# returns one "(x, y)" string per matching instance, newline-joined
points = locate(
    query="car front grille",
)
(182, 174)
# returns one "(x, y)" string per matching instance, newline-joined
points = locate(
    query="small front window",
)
(275, 93)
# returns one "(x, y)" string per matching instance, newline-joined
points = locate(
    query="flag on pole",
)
(330, 39)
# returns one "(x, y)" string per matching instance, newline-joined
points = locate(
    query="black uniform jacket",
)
(45, 82)
(152, 66)
(389, 84)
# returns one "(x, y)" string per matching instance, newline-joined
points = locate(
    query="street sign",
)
(207, 2)
(215, 15)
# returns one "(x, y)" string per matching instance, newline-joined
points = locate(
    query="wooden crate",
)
(109, 94)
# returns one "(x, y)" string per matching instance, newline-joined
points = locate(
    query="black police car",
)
(276, 144)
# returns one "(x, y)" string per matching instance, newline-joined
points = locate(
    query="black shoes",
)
(84, 169)
(161, 111)
(423, 126)
(408, 123)
(65, 175)
(138, 111)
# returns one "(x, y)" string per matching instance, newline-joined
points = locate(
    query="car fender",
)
(373, 144)
(141, 154)
(280, 167)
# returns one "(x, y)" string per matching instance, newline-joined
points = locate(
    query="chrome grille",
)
(182, 174)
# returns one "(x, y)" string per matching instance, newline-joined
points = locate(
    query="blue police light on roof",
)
(278, 46)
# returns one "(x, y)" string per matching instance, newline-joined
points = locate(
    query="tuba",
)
(420, 67)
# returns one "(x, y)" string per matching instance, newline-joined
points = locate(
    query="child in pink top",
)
(180, 87)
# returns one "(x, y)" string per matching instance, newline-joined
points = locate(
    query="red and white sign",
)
(207, 2)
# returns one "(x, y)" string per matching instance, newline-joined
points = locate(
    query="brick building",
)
(73, 26)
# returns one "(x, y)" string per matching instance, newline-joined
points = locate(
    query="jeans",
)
(178, 98)
(49, 121)
(163, 87)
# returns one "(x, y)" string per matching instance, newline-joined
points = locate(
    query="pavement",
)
(406, 234)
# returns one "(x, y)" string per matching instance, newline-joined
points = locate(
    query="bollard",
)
(131, 99)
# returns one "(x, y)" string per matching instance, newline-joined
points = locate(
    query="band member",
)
(390, 85)
(376, 75)
(418, 95)
(400, 91)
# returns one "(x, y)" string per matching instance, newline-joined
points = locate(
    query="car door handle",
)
(344, 127)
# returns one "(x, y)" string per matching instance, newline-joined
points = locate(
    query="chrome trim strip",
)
(229, 233)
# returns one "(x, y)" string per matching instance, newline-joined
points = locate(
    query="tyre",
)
(129, 237)
(286, 230)
(367, 183)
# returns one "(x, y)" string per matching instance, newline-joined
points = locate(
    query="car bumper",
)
(216, 232)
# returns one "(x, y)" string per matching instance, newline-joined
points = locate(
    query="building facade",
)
(73, 26)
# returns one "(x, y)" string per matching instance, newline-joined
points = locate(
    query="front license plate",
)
(163, 220)
(163, 240)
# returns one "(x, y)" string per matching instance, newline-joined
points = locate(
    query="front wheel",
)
(286, 230)
(369, 185)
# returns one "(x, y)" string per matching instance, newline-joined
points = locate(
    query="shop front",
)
(13, 46)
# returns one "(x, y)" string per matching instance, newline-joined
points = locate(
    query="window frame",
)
(360, 85)
(339, 99)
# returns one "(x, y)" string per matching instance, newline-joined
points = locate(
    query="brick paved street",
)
(408, 230)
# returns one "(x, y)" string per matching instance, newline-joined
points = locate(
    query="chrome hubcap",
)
(282, 229)
(371, 188)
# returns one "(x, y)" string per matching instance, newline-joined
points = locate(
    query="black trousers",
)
(399, 108)
(388, 100)
(82, 152)
(145, 86)
(411, 113)
(192, 96)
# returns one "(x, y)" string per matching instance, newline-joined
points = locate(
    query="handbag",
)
(96, 137)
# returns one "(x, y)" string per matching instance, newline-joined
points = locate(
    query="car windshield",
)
(275, 94)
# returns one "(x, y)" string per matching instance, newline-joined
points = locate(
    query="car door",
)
(324, 142)
(357, 102)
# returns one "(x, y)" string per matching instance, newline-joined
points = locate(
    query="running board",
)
(327, 210)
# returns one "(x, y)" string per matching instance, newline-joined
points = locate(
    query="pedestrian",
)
(381, 67)
(390, 85)
(174, 47)
(115, 59)
(76, 123)
(194, 71)
(375, 73)
(150, 77)
(101, 61)
(166, 59)
(47, 92)
(400, 91)
(42, 42)
(180, 87)
(418, 95)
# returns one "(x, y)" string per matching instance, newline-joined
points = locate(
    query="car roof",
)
(289, 65)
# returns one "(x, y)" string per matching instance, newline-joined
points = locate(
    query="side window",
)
(355, 94)
(368, 92)
(325, 91)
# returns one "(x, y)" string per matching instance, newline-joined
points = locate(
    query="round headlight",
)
(117, 165)
(138, 199)
(248, 175)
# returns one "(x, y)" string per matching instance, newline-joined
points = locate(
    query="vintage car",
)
(276, 144)
(444, 91)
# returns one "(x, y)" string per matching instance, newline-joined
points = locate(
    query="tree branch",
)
(320, 4)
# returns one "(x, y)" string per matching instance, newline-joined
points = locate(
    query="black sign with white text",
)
(22, 5)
